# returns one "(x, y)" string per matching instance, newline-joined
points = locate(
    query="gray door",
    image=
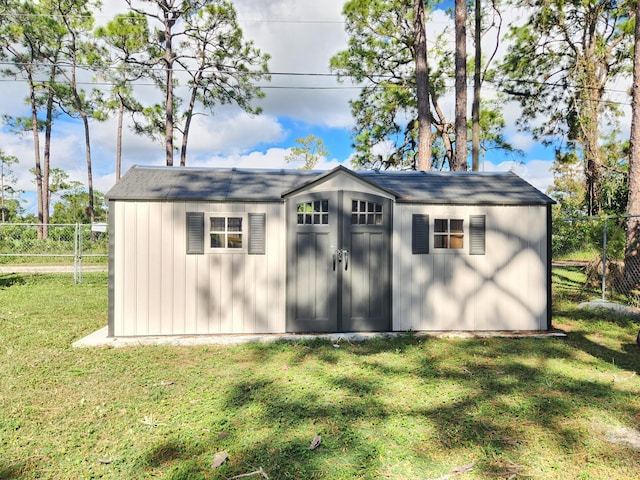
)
(339, 262)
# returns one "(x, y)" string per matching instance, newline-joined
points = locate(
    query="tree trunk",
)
(475, 108)
(2, 191)
(422, 87)
(632, 245)
(592, 161)
(187, 122)
(36, 148)
(168, 58)
(87, 145)
(444, 129)
(48, 128)
(461, 85)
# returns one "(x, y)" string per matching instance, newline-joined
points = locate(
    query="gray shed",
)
(225, 251)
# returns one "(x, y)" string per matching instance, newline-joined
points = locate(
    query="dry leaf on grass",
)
(315, 443)
(218, 459)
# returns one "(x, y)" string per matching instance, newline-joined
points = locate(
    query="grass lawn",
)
(404, 408)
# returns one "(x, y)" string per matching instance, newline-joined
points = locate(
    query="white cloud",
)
(236, 133)
(273, 158)
(521, 140)
(536, 172)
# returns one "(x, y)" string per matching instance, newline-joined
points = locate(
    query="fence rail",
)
(56, 246)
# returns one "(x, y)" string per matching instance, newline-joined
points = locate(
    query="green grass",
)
(403, 408)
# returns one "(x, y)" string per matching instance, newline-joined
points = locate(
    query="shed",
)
(230, 251)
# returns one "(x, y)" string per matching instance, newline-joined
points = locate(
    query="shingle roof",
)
(213, 184)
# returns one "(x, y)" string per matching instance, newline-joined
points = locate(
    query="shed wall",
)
(504, 289)
(160, 290)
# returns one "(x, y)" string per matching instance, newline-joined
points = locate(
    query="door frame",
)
(339, 228)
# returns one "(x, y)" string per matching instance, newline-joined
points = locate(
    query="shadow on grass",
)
(466, 398)
(12, 472)
(591, 325)
(9, 280)
(178, 458)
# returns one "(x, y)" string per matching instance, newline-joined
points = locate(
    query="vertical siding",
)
(129, 233)
(159, 289)
(154, 283)
(506, 289)
(166, 269)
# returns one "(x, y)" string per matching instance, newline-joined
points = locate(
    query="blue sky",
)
(301, 37)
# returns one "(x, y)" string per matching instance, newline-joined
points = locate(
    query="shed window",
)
(366, 213)
(313, 213)
(226, 232)
(448, 233)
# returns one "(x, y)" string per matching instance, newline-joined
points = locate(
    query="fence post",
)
(604, 260)
(77, 255)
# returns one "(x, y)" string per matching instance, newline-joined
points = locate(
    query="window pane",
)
(234, 224)
(234, 240)
(370, 207)
(217, 240)
(370, 219)
(300, 218)
(217, 224)
(363, 206)
(455, 241)
(316, 219)
(325, 205)
(307, 219)
(316, 206)
(456, 226)
(325, 219)
(440, 225)
(354, 219)
(362, 219)
(378, 219)
(354, 205)
(440, 241)
(378, 208)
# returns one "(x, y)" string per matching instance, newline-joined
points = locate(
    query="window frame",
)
(323, 214)
(244, 232)
(448, 234)
(473, 233)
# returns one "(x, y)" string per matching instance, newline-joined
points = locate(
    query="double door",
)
(338, 262)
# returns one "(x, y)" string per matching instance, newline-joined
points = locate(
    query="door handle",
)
(334, 261)
(346, 259)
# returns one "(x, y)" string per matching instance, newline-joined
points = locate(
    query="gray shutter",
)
(195, 232)
(420, 234)
(477, 227)
(257, 236)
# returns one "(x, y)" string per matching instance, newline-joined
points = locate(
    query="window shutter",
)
(477, 227)
(195, 232)
(420, 234)
(257, 236)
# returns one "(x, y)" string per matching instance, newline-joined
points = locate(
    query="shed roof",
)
(254, 185)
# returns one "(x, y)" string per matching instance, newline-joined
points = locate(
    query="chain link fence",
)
(53, 248)
(595, 247)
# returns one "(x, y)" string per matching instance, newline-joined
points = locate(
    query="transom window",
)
(366, 213)
(448, 233)
(226, 232)
(313, 213)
